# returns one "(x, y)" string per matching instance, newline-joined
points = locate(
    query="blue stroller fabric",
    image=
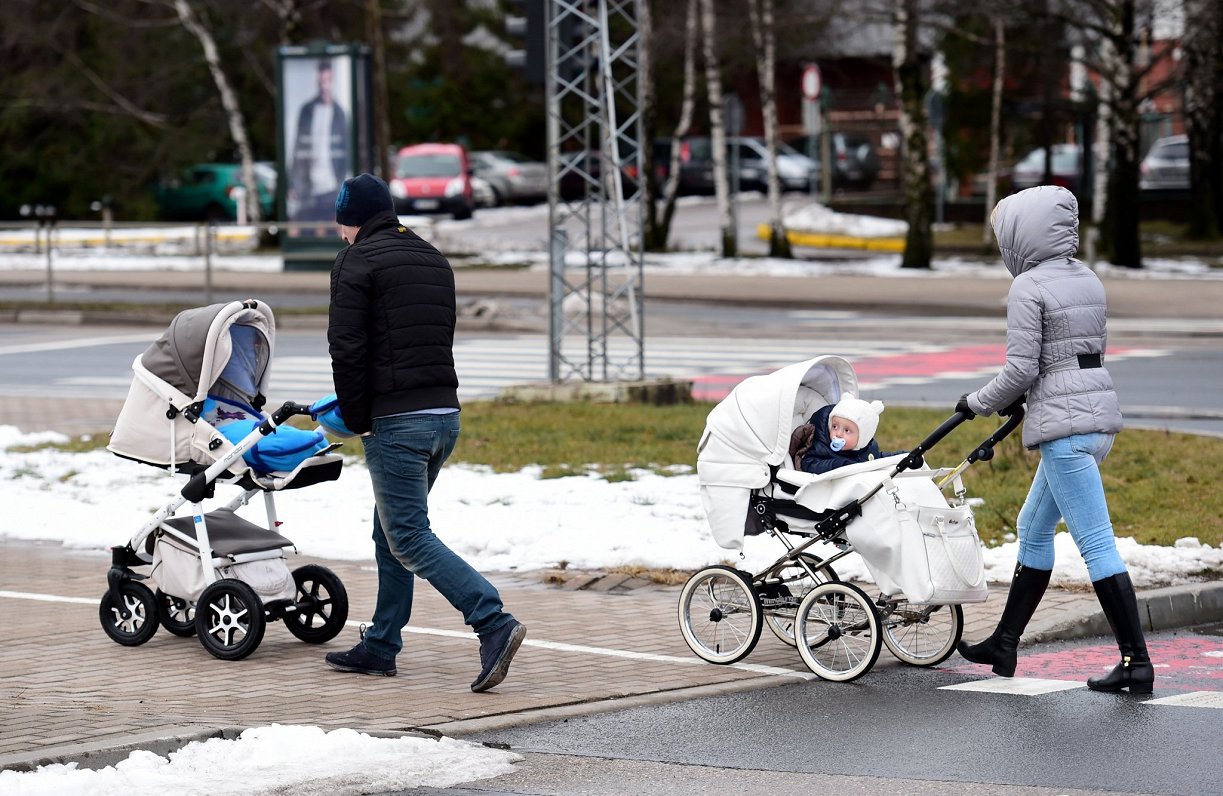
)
(326, 411)
(281, 451)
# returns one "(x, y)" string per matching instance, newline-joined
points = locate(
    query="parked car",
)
(795, 170)
(1166, 165)
(433, 178)
(576, 167)
(514, 178)
(205, 192)
(855, 163)
(1067, 168)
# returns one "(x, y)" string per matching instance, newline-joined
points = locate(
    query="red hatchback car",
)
(433, 178)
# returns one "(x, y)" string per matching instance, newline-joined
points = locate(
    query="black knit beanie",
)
(360, 199)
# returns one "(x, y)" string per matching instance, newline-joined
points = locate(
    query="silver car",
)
(1166, 166)
(514, 178)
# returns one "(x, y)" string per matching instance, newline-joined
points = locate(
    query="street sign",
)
(811, 82)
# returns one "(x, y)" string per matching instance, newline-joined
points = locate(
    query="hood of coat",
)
(1036, 225)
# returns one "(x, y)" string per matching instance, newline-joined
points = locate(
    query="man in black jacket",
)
(391, 337)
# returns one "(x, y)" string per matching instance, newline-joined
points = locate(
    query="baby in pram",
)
(838, 435)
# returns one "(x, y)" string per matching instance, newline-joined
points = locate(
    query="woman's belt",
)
(1082, 362)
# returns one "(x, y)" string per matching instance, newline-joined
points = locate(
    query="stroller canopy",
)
(748, 432)
(223, 350)
(226, 343)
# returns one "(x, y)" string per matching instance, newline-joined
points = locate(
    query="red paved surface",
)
(1187, 663)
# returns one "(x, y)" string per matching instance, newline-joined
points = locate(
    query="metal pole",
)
(50, 274)
(208, 232)
(556, 294)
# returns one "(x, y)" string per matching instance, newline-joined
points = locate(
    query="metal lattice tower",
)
(594, 144)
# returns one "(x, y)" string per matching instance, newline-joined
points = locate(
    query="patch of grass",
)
(1156, 493)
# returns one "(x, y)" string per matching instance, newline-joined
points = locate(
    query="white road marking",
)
(75, 342)
(1024, 686)
(1193, 699)
(548, 645)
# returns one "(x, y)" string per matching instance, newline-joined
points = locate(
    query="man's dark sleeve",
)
(348, 338)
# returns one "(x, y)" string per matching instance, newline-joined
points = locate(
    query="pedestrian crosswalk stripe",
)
(1024, 686)
(1193, 699)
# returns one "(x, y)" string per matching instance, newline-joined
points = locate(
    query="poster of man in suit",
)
(317, 134)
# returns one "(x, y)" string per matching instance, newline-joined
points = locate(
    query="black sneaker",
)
(496, 651)
(362, 661)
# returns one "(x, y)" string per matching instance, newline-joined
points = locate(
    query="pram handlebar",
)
(985, 451)
(914, 460)
(287, 409)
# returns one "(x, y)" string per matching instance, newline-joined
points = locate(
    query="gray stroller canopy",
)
(228, 345)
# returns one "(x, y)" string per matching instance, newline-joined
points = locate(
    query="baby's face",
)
(839, 427)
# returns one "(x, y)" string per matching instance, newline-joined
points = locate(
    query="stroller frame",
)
(838, 630)
(227, 614)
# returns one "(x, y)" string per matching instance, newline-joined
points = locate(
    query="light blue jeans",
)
(404, 454)
(1067, 485)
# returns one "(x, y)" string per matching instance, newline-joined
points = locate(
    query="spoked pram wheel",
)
(781, 594)
(176, 614)
(719, 614)
(134, 621)
(837, 632)
(229, 619)
(921, 635)
(322, 605)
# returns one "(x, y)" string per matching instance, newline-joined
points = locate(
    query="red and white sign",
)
(811, 82)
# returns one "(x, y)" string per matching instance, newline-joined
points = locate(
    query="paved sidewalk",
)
(68, 692)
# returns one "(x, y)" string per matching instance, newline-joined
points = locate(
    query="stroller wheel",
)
(837, 632)
(781, 593)
(921, 635)
(322, 605)
(176, 614)
(135, 621)
(229, 619)
(720, 615)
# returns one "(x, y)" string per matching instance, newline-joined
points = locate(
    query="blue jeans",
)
(1067, 485)
(404, 454)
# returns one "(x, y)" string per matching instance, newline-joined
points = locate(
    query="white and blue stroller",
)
(195, 409)
(921, 550)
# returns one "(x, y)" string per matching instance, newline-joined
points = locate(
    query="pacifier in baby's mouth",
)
(836, 443)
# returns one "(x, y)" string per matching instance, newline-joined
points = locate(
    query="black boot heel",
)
(1002, 656)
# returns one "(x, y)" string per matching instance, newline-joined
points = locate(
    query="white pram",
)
(921, 550)
(219, 576)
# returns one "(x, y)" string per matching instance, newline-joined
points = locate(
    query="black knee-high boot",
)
(1027, 588)
(1135, 672)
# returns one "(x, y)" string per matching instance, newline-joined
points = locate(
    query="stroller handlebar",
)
(985, 451)
(287, 409)
(914, 460)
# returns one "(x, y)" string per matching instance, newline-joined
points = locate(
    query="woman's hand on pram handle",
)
(1015, 406)
(962, 407)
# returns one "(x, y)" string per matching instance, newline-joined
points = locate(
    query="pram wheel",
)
(141, 621)
(837, 632)
(322, 603)
(229, 619)
(176, 614)
(720, 615)
(781, 594)
(921, 635)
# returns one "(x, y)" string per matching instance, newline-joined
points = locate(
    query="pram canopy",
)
(747, 435)
(223, 350)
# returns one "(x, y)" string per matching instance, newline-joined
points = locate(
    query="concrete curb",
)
(1166, 608)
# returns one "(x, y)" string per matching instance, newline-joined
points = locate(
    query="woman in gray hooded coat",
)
(1055, 341)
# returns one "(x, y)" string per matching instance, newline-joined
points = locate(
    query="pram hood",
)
(748, 433)
(221, 349)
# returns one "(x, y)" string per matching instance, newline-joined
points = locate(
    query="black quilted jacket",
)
(391, 325)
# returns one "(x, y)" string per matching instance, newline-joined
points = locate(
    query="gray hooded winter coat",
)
(1055, 314)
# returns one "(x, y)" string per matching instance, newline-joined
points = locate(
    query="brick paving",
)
(65, 685)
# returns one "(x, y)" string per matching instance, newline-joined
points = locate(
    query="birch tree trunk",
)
(229, 101)
(649, 124)
(1203, 46)
(717, 127)
(995, 128)
(911, 88)
(766, 61)
(687, 107)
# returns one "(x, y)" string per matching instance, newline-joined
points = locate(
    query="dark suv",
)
(855, 163)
